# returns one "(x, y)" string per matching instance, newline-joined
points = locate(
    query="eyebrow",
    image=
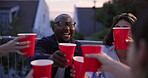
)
(121, 26)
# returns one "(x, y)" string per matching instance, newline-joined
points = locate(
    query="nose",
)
(66, 29)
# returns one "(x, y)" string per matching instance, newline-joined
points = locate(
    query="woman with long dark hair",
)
(137, 55)
(121, 20)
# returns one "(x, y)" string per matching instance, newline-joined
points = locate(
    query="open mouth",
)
(66, 34)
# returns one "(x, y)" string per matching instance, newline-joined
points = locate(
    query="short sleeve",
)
(104, 49)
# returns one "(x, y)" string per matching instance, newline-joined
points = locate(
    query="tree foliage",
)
(105, 14)
(112, 8)
(115, 7)
(78, 36)
(99, 35)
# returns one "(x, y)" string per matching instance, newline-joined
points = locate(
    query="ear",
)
(142, 54)
(53, 28)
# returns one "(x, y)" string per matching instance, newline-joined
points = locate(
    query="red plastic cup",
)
(30, 37)
(79, 67)
(91, 64)
(68, 49)
(42, 68)
(121, 34)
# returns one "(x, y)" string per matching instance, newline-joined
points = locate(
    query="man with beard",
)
(48, 47)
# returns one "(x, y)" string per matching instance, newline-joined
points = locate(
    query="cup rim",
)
(79, 59)
(121, 27)
(67, 44)
(27, 34)
(91, 45)
(41, 62)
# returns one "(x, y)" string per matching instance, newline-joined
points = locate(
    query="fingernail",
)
(28, 46)
(86, 55)
(24, 36)
(67, 60)
(28, 42)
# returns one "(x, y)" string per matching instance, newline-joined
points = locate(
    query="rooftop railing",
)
(13, 65)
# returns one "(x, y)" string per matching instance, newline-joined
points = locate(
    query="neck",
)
(122, 54)
(61, 41)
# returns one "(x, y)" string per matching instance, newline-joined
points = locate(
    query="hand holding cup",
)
(68, 49)
(58, 58)
(14, 46)
(29, 37)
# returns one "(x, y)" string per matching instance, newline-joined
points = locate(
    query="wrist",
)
(51, 57)
(3, 49)
(119, 69)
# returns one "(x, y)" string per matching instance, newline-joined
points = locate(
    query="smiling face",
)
(64, 28)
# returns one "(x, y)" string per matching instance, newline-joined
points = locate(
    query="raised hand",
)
(14, 46)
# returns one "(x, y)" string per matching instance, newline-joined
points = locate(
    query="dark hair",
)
(108, 40)
(61, 16)
(140, 29)
(139, 32)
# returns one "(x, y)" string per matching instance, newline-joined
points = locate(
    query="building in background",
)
(86, 23)
(20, 16)
(42, 22)
(6, 18)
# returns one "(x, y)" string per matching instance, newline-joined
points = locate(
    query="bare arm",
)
(116, 68)
(30, 74)
(120, 70)
(86, 76)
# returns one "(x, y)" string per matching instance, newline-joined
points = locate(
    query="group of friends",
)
(131, 63)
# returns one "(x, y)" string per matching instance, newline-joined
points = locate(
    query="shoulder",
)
(110, 50)
(76, 42)
(47, 39)
(106, 48)
(78, 51)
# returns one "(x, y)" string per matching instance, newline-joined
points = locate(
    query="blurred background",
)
(93, 19)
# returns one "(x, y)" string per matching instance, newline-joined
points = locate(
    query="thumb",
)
(20, 53)
(102, 57)
(92, 55)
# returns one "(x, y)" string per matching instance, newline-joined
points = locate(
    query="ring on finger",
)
(17, 43)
